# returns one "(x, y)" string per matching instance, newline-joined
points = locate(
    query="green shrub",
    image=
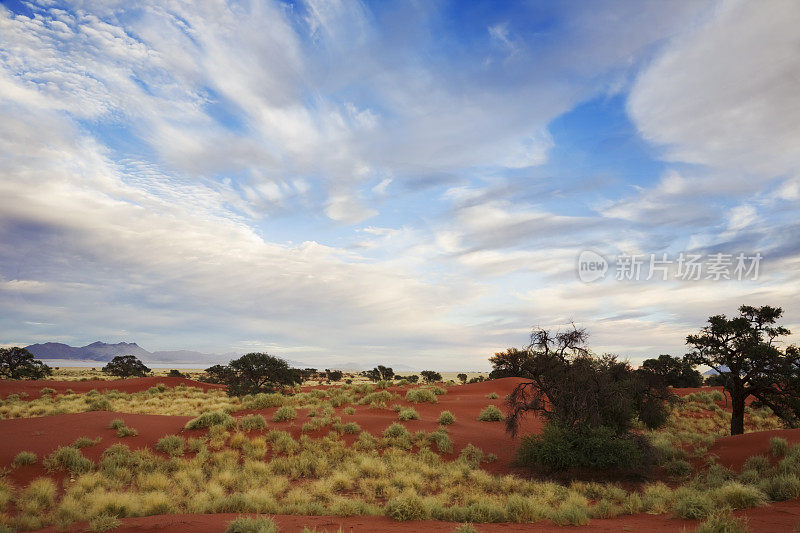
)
(734, 495)
(252, 422)
(678, 468)
(425, 395)
(442, 441)
(446, 418)
(559, 448)
(692, 504)
(85, 442)
(351, 428)
(67, 458)
(491, 413)
(406, 507)
(758, 463)
(284, 414)
(723, 522)
(47, 391)
(104, 522)
(24, 458)
(471, 455)
(252, 525)
(778, 446)
(263, 400)
(171, 445)
(116, 423)
(125, 431)
(396, 431)
(781, 488)
(212, 418)
(349, 411)
(408, 414)
(98, 404)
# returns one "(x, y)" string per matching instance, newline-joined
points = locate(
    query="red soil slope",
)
(42, 435)
(33, 387)
(734, 450)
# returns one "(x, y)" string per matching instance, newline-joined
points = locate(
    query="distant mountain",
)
(103, 352)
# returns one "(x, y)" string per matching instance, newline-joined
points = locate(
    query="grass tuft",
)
(446, 418)
(24, 458)
(491, 413)
(212, 418)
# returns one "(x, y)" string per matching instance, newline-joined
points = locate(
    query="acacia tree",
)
(379, 373)
(510, 363)
(258, 372)
(431, 376)
(19, 363)
(126, 366)
(567, 385)
(462, 377)
(672, 371)
(745, 352)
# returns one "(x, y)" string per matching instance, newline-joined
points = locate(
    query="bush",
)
(252, 525)
(98, 404)
(252, 422)
(442, 441)
(408, 414)
(446, 418)
(24, 458)
(175, 374)
(104, 522)
(491, 413)
(734, 495)
(421, 396)
(264, 400)
(284, 414)
(116, 424)
(125, 431)
(678, 468)
(778, 446)
(69, 459)
(212, 418)
(172, 445)
(406, 507)
(492, 396)
(47, 391)
(471, 455)
(351, 428)
(723, 522)
(692, 504)
(781, 488)
(600, 449)
(395, 431)
(349, 411)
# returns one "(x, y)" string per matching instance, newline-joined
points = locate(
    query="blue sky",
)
(409, 182)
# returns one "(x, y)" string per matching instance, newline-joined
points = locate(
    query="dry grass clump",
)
(104, 522)
(172, 445)
(212, 418)
(252, 422)
(408, 414)
(252, 525)
(284, 414)
(723, 522)
(67, 458)
(446, 418)
(492, 396)
(778, 446)
(422, 395)
(24, 458)
(491, 413)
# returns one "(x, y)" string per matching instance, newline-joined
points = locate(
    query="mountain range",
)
(104, 352)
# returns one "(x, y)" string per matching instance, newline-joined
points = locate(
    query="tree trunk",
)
(737, 414)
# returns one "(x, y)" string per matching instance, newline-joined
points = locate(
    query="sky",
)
(410, 182)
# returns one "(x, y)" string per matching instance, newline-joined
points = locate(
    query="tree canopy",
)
(509, 363)
(126, 366)
(431, 376)
(745, 351)
(19, 363)
(672, 371)
(255, 372)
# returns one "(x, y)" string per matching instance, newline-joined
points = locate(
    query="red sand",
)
(770, 519)
(44, 434)
(33, 387)
(734, 450)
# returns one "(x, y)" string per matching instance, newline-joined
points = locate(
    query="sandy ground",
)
(44, 434)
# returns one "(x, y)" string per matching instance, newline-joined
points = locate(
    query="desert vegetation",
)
(612, 441)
